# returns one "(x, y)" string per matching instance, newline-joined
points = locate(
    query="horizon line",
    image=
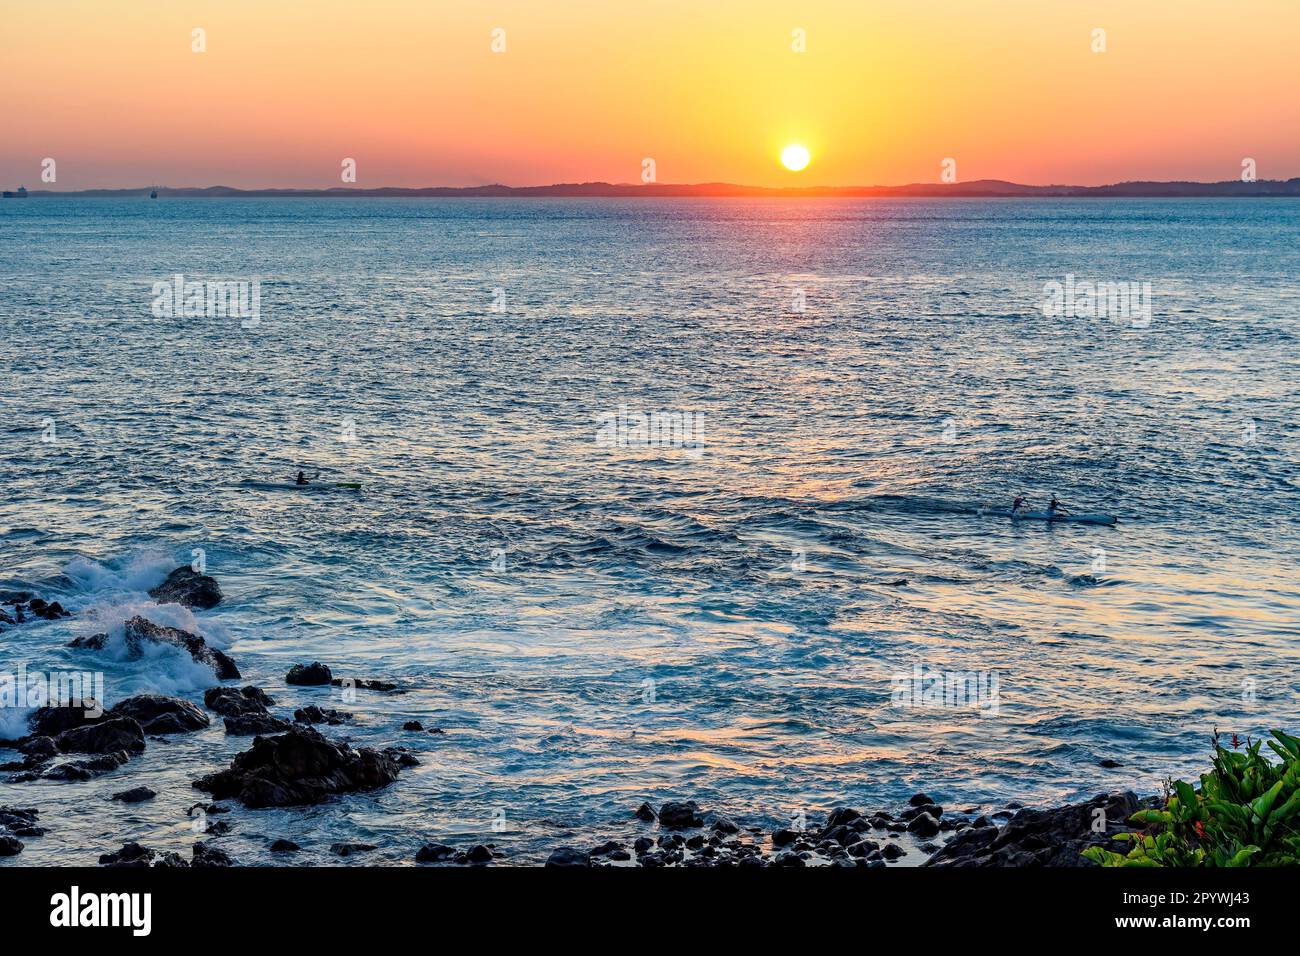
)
(986, 188)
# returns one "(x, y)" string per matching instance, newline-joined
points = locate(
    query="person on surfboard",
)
(1017, 505)
(303, 479)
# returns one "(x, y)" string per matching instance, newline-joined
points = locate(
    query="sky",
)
(711, 90)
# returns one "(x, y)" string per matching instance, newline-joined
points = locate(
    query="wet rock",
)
(105, 737)
(86, 769)
(841, 816)
(252, 725)
(314, 674)
(923, 825)
(315, 715)
(784, 837)
(434, 853)
(401, 756)
(131, 854)
(298, 767)
(10, 846)
(413, 725)
(788, 859)
(1054, 837)
(161, 715)
(479, 854)
(206, 855)
(347, 849)
(912, 813)
(680, 815)
(229, 702)
(135, 795)
(1109, 764)
(188, 588)
(362, 684)
(724, 825)
(892, 851)
(170, 860)
(217, 828)
(52, 721)
(39, 748)
(646, 812)
(285, 846)
(919, 800)
(567, 856)
(138, 631)
(20, 821)
(643, 845)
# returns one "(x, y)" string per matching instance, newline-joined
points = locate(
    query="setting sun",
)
(795, 157)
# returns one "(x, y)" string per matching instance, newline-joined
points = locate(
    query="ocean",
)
(660, 499)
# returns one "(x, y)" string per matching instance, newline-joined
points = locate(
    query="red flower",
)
(1235, 742)
(1200, 830)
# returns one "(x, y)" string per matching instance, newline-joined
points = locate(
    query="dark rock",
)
(609, 846)
(206, 855)
(434, 853)
(10, 846)
(646, 812)
(171, 860)
(863, 847)
(135, 795)
(919, 800)
(784, 837)
(105, 737)
(315, 715)
(77, 769)
(680, 815)
(138, 631)
(1109, 764)
(362, 684)
(841, 816)
(217, 828)
(347, 849)
(161, 715)
(724, 825)
(788, 859)
(401, 756)
(412, 725)
(643, 845)
(892, 851)
(923, 825)
(1055, 837)
(912, 813)
(479, 854)
(251, 725)
(131, 854)
(187, 587)
(298, 767)
(52, 721)
(310, 675)
(39, 748)
(229, 702)
(567, 856)
(285, 846)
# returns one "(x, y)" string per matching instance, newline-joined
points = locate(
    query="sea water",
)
(660, 499)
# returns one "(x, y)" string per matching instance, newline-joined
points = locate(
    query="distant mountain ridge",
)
(981, 188)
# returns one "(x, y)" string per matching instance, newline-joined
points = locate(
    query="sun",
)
(795, 157)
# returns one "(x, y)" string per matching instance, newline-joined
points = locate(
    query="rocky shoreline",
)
(291, 763)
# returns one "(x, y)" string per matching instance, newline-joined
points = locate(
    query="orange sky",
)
(585, 90)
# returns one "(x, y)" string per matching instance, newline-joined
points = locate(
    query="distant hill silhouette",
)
(980, 188)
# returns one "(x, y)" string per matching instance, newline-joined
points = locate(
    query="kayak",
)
(1048, 516)
(310, 486)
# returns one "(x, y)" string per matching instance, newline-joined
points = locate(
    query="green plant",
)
(1242, 814)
